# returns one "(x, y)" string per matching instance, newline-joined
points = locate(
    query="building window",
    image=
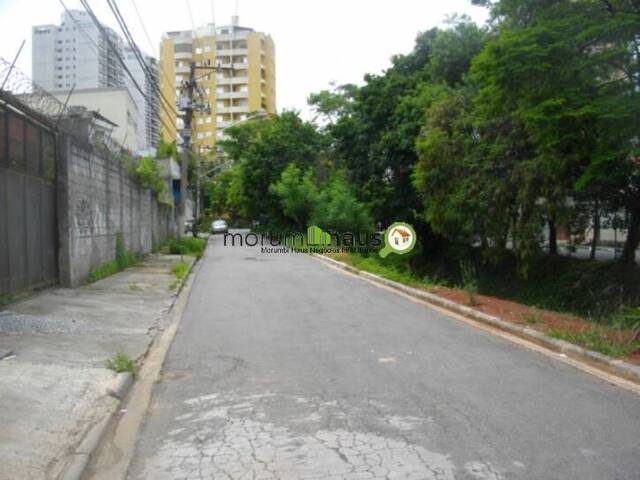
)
(183, 48)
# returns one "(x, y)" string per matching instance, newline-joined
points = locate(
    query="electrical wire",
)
(148, 37)
(92, 44)
(149, 75)
(97, 23)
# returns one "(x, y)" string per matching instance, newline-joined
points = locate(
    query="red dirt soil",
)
(545, 320)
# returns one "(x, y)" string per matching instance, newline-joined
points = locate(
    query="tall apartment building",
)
(77, 54)
(232, 95)
(149, 112)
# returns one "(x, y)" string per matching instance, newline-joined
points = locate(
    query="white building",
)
(115, 104)
(149, 108)
(76, 53)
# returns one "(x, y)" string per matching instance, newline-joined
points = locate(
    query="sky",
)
(317, 41)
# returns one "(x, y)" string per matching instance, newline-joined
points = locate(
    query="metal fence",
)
(28, 158)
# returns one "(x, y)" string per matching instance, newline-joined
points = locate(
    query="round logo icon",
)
(399, 238)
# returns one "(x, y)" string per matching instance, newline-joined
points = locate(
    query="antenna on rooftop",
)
(235, 19)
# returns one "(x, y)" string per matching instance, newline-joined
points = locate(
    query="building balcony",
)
(233, 52)
(233, 109)
(231, 95)
(183, 55)
(233, 81)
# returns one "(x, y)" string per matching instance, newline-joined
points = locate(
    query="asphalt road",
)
(285, 368)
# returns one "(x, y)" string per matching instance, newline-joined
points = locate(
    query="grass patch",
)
(103, 271)
(180, 271)
(134, 286)
(123, 260)
(5, 299)
(183, 246)
(532, 319)
(596, 339)
(469, 282)
(121, 363)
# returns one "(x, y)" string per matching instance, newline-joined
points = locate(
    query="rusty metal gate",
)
(28, 226)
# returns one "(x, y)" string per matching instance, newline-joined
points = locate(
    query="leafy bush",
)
(298, 194)
(183, 246)
(146, 173)
(338, 208)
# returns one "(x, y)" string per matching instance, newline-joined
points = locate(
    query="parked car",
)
(219, 226)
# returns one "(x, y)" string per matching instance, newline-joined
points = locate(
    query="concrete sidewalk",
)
(54, 387)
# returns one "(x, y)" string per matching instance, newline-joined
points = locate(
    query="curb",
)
(618, 367)
(77, 466)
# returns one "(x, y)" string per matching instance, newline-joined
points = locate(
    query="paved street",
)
(284, 368)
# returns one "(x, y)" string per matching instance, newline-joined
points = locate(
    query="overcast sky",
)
(317, 41)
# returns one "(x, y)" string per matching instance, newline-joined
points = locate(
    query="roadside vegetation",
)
(121, 363)
(123, 260)
(182, 246)
(180, 271)
(569, 301)
(497, 143)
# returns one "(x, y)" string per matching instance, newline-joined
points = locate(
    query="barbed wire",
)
(28, 92)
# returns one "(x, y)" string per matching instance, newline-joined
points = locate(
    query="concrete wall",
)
(96, 201)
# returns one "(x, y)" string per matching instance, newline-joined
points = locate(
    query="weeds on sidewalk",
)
(121, 363)
(123, 260)
(180, 271)
(183, 246)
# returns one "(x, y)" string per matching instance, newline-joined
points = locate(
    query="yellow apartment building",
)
(233, 95)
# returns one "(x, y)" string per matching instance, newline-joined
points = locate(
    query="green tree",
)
(297, 193)
(568, 72)
(262, 149)
(331, 105)
(338, 209)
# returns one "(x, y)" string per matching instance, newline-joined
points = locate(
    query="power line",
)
(146, 33)
(193, 25)
(92, 44)
(143, 64)
(97, 23)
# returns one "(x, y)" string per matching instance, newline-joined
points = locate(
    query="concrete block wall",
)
(96, 201)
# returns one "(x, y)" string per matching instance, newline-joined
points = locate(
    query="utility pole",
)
(188, 106)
